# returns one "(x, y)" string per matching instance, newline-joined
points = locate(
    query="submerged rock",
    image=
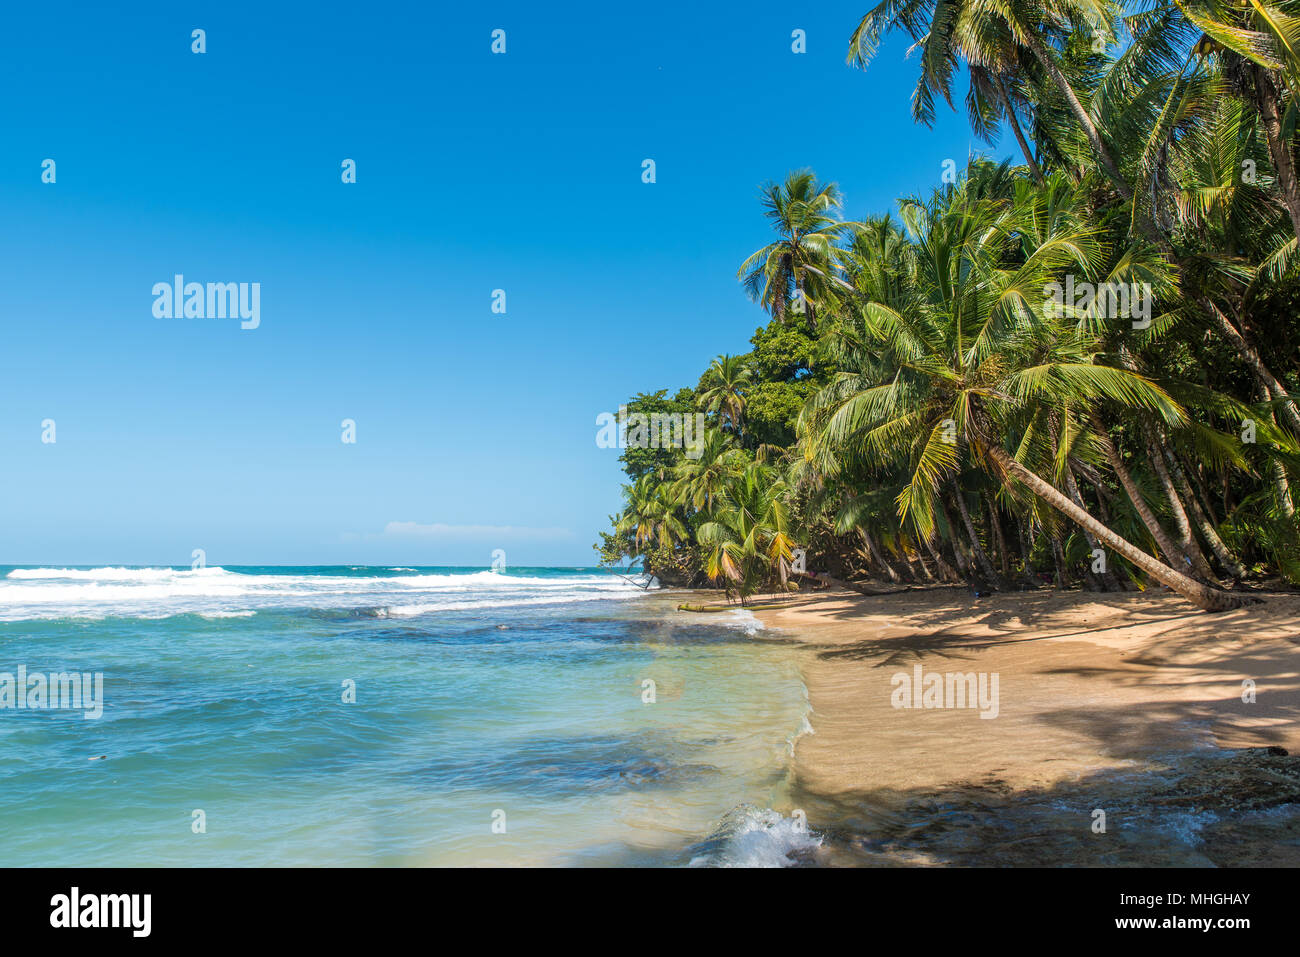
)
(1219, 808)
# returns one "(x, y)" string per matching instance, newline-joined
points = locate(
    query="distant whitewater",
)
(48, 593)
(353, 715)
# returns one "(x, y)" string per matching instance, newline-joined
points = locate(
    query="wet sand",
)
(1132, 702)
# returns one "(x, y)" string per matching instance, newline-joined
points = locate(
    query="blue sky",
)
(475, 172)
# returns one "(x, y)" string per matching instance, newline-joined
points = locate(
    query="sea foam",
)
(758, 837)
(216, 592)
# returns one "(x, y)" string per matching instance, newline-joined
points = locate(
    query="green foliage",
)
(772, 411)
(638, 462)
(919, 408)
(782, 352)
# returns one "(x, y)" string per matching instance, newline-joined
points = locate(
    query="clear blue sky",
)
(475, 172)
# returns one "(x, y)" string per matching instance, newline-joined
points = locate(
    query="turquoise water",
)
(514, 698)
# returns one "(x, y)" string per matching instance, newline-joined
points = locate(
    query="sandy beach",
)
(1135, 697)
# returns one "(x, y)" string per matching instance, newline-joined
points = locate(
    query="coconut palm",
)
(958, 425)
(993, 38)
(651, 516)
(796, 273)
(722, 390)
(1259, 44)
(968, 349)
(700, 482)
(747, 544)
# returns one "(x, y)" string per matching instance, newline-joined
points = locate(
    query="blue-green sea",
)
(391, 716)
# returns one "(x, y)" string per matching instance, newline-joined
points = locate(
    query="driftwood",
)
(734, 606)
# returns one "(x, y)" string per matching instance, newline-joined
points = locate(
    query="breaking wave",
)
(216, 592)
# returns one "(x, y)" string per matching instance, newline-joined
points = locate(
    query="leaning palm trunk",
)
(1279, 149)
(999, 87)
(1108, 581)
(1200, 595)
(1230, 562)
(925, 569)
(1270, 384)
(981, 556)
(1280, 483)
(877, 555)
(911, 567)
(1058, 559)
(946, 571)
(1048, 63)
(1027, 573)
(1283, 488)
(1221, 551)
(1004, 557)
(1163, 542)
(964, 564)
(1182, 524)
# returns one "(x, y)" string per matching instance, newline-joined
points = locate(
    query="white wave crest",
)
(116, 574)
(743, 619)
(758, 837)
(48, 593)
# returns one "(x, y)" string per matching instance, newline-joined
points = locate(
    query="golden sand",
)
(1086, 683)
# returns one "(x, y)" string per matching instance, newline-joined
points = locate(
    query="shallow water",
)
(517, 700)
(521, 700)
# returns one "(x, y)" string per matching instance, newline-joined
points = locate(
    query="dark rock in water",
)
(1203, 808)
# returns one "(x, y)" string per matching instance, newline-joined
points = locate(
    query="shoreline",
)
(1118, 694)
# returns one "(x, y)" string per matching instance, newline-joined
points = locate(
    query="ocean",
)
(355, 715)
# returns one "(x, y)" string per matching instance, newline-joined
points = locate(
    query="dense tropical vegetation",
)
(1081, 369)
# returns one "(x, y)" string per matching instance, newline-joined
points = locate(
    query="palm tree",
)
(797, 272)
(992, 99)
(995, 62)
(968, 349)
(651, 515)
(1260, 46)
(992, 38)
(747, 542)
(701, 482)
(944, 385)
(722, 389)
